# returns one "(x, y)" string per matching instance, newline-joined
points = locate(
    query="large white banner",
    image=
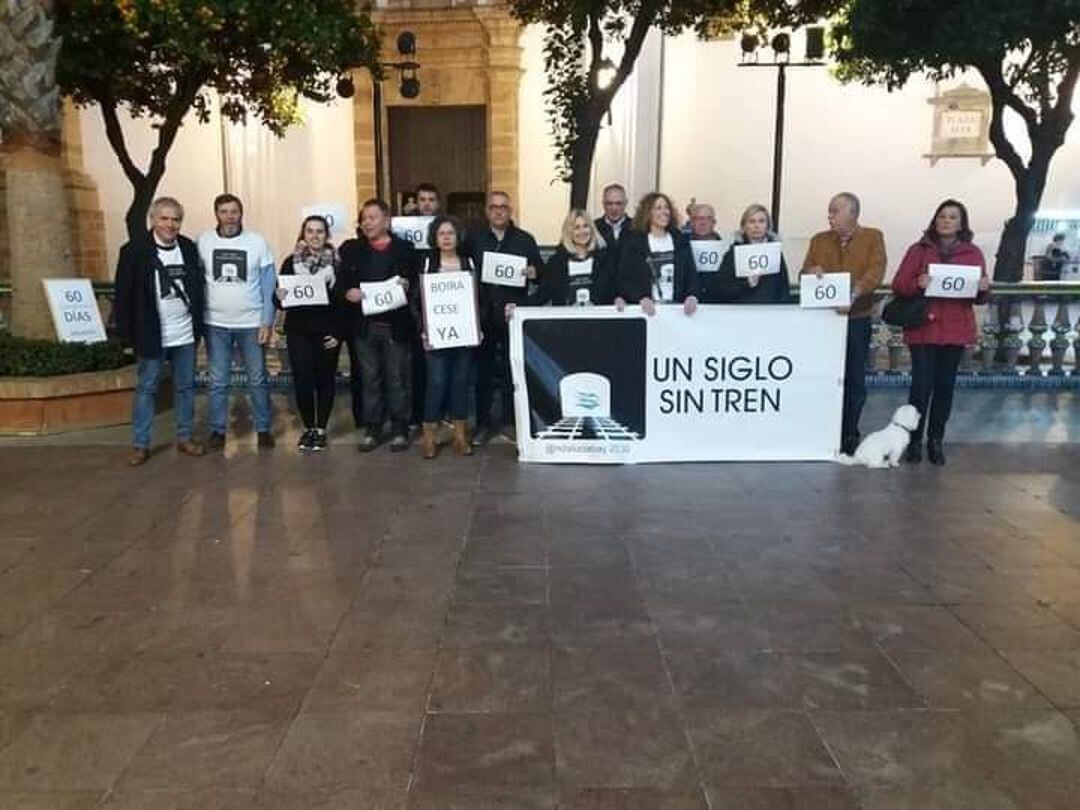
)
(730, 383)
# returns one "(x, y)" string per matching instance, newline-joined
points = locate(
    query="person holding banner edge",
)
(383, 339)
(578, 273)
(313, 332)
(655, 264)
(503, 246)
(448, 372)
(938, 344)
(727, 287)
(849, 247)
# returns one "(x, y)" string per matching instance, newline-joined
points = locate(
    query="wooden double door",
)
(444, 145)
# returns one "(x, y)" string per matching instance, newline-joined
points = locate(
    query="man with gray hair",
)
(848, 247)
(614, 223)
(159, 303)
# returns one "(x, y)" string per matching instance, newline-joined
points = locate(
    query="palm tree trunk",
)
(36, 204)
(39, 234)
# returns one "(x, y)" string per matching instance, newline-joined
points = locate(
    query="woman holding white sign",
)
(656, 265)
(947, 268)
(578, 273)
(762, 285)
(447, 371)
(313, 327)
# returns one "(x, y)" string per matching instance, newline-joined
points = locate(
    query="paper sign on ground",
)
(74, 310)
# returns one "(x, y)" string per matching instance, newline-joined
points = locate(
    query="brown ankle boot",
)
(429, 447)
(462, 439)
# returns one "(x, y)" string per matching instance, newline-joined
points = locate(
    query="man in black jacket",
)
(501, 236)
(614, 223)
(383, 340)
(159, 304)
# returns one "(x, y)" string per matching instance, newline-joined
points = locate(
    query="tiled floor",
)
(271, 631)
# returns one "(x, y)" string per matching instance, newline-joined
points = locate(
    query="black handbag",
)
(905, 311)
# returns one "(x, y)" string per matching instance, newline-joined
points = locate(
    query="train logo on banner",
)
(582, 388)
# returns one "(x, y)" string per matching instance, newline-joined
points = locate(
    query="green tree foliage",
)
(162, 58)
(581, 35)
(1028, 53)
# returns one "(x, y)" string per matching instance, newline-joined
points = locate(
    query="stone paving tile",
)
(496, 636)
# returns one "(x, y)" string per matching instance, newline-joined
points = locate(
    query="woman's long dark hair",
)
(459, 235)
(643, 214)
(964, 234)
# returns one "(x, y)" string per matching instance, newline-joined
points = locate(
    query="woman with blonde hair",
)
(724, 287)
(656, 264)
(579, 272)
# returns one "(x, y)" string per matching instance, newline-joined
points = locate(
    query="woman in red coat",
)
(938, 344)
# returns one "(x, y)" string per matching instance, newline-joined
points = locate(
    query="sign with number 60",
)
(503, 269)
(708, 253)
(303, 291)
(832, 291)
(953, 281)
(759, 259)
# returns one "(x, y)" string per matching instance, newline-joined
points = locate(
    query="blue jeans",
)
(148, 373)
(448, 372)
(219, 344)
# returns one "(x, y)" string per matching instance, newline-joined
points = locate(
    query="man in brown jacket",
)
(848, 247)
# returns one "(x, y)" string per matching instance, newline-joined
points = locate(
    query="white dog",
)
(885, 447)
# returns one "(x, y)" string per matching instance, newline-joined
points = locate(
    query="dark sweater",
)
(634, 278)
(135, 306)
(495, 297)
(559, 288)
(360, 262)
(724, 287)
(317, 320)
(604, 228)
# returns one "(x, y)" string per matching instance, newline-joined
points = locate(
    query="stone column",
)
(84, 206)
(504, 77)
(39, 228)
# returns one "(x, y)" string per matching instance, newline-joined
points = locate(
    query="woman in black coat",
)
(313, 333)
(579, 272)
(725, 287)
(656, 265)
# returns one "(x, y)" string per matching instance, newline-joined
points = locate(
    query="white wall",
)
(718, 147)
(717, 131)
(312, 164)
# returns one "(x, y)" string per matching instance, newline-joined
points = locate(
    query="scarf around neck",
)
(322, 262)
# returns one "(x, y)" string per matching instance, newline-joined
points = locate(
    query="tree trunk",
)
(1030, 184)
(135, 218)
(581, 159)
(39, 230)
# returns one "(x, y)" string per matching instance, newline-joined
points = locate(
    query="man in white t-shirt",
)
(240, 285)
(158, 308)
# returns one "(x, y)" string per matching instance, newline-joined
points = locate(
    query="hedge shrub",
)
(20, 357)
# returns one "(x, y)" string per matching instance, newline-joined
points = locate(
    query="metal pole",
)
(376, 122)
(778, 144)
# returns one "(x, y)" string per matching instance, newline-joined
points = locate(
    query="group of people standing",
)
(171, 291)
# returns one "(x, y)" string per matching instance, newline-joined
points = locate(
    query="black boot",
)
(934, 452)
(913, 454)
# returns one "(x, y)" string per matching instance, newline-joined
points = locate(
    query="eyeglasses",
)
(499, 207)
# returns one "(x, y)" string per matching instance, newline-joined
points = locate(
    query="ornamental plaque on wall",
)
(961, 125)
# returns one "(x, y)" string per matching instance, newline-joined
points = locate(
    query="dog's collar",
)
(892, 422)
